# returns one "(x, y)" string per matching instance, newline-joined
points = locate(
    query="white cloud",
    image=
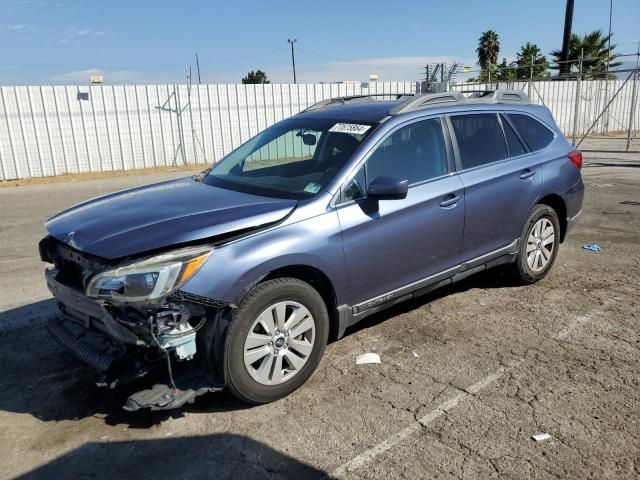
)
(21, 27)
(78, 33)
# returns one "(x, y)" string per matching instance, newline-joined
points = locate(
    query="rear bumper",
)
(572, 221)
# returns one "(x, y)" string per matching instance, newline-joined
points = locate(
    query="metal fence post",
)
(576, 111)
(634, 99)
(529, 92)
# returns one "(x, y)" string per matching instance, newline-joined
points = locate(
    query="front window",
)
(293, 159)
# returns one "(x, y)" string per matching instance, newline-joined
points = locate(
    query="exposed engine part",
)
(175, 333)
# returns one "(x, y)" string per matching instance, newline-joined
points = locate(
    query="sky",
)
(143, 41)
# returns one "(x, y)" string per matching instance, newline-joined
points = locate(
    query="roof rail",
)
(428, 100)
(498, 96)
(329, 102)
(420, 102)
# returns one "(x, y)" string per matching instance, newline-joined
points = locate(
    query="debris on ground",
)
(416, 355)
(601, 185)
(541, 437)
(593, 247)
(369, 357)
(629, 202)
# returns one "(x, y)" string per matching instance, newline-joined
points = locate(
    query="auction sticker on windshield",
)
(349, 128)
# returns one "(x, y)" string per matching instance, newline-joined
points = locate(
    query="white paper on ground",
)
(541, 437)
(365, 358)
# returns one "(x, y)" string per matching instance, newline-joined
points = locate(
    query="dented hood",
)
(161, 215)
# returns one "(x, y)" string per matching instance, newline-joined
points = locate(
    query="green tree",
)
(504, 72)
(256, 77)
(488, 51)
(594, 47)
(531, 52)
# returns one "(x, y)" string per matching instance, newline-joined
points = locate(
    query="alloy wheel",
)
(279, 343)
(540, 244)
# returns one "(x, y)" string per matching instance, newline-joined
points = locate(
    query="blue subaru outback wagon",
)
(239, 276)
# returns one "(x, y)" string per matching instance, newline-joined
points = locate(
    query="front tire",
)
(539, 244)
(275, 340)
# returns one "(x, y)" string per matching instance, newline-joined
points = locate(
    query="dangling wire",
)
(174, 391)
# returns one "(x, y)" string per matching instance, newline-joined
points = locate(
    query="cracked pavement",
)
(469, 373)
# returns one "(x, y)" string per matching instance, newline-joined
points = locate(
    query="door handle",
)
(450, 200)
(527, 173)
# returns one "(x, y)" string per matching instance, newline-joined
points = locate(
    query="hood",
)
(160, 215)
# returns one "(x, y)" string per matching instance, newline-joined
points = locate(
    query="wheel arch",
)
(558, 204)
(318, 280)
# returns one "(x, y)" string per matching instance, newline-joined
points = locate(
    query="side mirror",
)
(388, 188)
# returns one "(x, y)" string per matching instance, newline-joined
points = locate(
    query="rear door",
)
(389, 244)
(501, 177)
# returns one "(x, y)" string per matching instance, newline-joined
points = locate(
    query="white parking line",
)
(452, 402)
(423, 421)
(23, 259)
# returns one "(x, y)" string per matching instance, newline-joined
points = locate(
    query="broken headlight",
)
(150, 278)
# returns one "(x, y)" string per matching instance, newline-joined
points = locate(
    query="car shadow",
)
(613, 164)
(219, 456)
(493, 278)
(27, 314)
(41, 379)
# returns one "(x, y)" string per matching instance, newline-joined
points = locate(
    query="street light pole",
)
(293, 57)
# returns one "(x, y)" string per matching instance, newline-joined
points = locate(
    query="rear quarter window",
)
(534, 133)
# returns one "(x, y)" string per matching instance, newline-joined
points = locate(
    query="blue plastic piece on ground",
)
(593, 248)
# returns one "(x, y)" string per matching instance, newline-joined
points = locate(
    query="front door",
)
(389, 244)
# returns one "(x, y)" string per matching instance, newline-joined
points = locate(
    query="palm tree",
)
(594, 48)
(488, 51)
(530, 53)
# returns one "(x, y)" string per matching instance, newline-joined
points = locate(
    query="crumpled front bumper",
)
(89, 331)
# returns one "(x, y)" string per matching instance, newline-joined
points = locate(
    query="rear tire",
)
(538, 246)
(275, 340)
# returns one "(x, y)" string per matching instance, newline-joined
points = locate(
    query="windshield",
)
(293, 159)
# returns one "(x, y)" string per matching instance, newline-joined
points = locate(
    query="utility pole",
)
(198, 68)
(293, 57)
(565, 67)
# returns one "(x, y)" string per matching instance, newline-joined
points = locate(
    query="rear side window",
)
(513, 142)
(480, 139)
(534, 133)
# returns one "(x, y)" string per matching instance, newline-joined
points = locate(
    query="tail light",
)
(576, 158)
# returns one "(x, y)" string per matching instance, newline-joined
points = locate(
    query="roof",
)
(369, 112)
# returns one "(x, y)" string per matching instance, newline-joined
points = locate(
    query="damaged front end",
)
(128, 318)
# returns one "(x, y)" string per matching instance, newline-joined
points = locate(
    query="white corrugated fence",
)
(54, 130)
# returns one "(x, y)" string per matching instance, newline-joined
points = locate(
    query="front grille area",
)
(74, 267)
